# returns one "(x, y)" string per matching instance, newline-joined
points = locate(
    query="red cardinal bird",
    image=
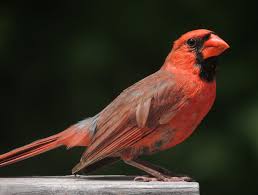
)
(154, 114)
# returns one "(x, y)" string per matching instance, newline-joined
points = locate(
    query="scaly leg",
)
(155, 171)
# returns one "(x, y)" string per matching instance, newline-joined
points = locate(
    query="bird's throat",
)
(207, 67)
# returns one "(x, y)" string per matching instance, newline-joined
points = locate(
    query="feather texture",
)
(135, 113)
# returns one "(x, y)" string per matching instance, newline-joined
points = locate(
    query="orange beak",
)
(214, 46)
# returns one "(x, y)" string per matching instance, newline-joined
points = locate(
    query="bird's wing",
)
(135, 113)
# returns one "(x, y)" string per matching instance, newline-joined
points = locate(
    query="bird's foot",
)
(164, 179)
(145, 179)
(177, 179)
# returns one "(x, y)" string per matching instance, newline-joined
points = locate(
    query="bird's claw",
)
(145, 179)
(177, 179)
(166, 179)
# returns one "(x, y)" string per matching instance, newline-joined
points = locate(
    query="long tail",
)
(76, 135)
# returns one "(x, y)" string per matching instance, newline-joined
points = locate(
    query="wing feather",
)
(142, 112)
(135, 113)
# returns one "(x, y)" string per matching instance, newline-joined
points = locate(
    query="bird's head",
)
(197, 51)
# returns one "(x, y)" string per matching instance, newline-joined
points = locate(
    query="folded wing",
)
(134, 114)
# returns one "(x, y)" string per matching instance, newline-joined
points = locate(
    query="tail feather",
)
(28, 151)
(76, 135)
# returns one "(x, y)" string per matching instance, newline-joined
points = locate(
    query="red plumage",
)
(154, 114)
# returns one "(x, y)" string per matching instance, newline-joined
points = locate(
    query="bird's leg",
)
(155, 171)
(157, 168)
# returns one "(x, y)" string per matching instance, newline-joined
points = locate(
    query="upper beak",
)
(214, 46)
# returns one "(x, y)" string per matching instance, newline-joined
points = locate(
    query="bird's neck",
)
(180, 61)
(191, 64)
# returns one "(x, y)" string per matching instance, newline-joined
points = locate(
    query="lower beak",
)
(214, 46)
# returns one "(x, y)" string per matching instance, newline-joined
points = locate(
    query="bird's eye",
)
(191, 42)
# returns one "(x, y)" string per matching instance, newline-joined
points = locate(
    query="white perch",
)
(79, 185)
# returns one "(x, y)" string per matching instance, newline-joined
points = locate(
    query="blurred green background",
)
(62, 61)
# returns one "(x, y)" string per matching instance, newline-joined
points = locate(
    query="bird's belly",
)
(180, 126)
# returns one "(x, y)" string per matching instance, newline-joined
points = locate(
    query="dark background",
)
(63, 61)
